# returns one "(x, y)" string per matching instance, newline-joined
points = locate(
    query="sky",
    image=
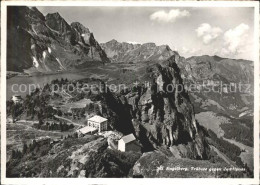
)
(192, 31)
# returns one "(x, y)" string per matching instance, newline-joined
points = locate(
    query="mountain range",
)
(177, 122)
(38, 43)
(132, 53)
(49, 43)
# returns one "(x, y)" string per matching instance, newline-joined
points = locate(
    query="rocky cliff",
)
(126, 52)
(41, 43)
(166, 114)
(159, 115)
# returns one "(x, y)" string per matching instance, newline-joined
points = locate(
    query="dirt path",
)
(66, 119)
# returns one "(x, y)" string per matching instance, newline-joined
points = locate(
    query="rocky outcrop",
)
(165, 113)
(74, 157)
(160, 114)
(132, 53)
(55, 22)
(38, 43)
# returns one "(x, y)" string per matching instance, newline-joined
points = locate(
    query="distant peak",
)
(150, 44)
(218, 57)
(57, 23)
(80, 27)
(113, 41)
(76, 24)
(167, 47)
(36, 13)
(34, 8)
(56, 15)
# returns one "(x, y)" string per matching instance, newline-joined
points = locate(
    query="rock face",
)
(160, 114)
(165, 112)
(133, 53)
(41, 43)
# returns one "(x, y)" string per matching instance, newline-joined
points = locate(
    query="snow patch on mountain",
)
(49, 49)
(35, 62)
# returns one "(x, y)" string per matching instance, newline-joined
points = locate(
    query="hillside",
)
(216, 68)
(72, 157)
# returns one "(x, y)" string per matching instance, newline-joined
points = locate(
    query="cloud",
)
(235, 39)
(171, 16)
(208, 33)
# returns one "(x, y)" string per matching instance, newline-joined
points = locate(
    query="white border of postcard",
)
(115, 181)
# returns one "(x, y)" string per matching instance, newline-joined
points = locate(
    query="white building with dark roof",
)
(128, 143)
(98, 122)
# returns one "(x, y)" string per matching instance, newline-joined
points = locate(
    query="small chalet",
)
(94, 124)
(128, 143)
(98, 122)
